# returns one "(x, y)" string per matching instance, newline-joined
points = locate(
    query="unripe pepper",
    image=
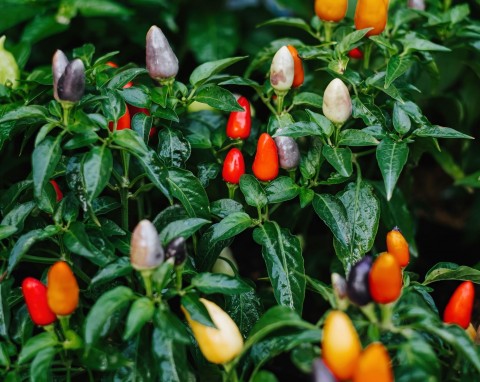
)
(356, 54)
(385, 279)
(161, 61)
(321, 372)
(9, 71)
(371, 14)
(62, 289)
(459, 308)
(68, 78)
(233, 166)
(374, 365)
(124, 122)
(177, 249)
(221, 344)
(337, 104)
(265, 164)
(358, 290)
(341, 346)
(282, 70)
(35, 294)
(299, 75)
(288, 152)
(240, 122)
(398, 247)
(146, 251)
(58, 191)
(331, 10)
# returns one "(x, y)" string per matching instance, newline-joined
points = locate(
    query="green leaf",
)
(170, 325)
(300, 129)
(451, 271)
(7, 231)
(96, 169)
(391, 157)
(401, 120)
(81, 140)
(37, 344)
(77, 240)
(332, 211)
(181, 228)
(224, 207)
(281, 189)
(17, 215)
(5, 293)
(109, 303)
(245, 309)
(208, 172)
(173, 148)
(208, 69)
(306, 196)
(439, 132)
(45, 158)
(208, 250)
(140, 313)
(25, 242)
(396, 67)
(231, 226)
(33, 111)
(121, 79)
(340, 159)
(418, 362)
(142, 125)
(219, 283)
(412, 43)
(136, 96)
(218, 98)
(40, 367)
(365, 109)
(189, 191)
(283, 257)
(198, 312)
(253, 192)
(350, 40)
(116, 269)
(472, 180)
(308, 99)
(352, 137)
(289, 22)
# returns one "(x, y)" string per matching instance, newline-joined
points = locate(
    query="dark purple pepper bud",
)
(416, 4)
(358, 289)
(321, 372)
(161, 61)
(177, 249)
(288, 152)
(68, 78)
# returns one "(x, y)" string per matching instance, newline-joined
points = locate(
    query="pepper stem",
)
(328, 31)
(147, 281)
(231, 190)
(64, 323)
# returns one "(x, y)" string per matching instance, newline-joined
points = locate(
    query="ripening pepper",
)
(374, 365)
(339, 285)
(265, 164)
(240, 122)
(337, 104)
(68, 78)
(9, 71)
(298, 75)
(331, 10)
(398, 247)
(35, 294)
(146, 251)
(58, 191)
(355, 53)
(321, 372)
(124, 122)
(385, 279)
(62, 289)
(459, 308)
(177, 249)
(161, 61)
(371, 14)
(233, 166)
(288, 152)
(221, 344)
(358, 290)
(341, 346)
(282, 70)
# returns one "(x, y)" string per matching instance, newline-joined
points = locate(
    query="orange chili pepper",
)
(298, 75)
(62, 289)
(265, 165)
(385, 279)
(331, 10)
(374, 365)
(371, 14)
(398, 247)
(459, 308)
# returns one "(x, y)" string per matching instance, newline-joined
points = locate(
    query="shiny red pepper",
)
(122, 123)
(240, 122)
(356, 53)
(57, 189)
(35, 294)
(459, 308)
(298, 75)
(233, 166)
(265, 165)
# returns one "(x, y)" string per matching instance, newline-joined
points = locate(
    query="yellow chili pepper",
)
(62, 289)
(371, 14)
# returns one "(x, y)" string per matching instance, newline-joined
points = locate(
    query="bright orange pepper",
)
(385, 279)
(398, 247)
(299, 75)
(62, 289)
(371, 14)
(331, 10)
(374, 365)
(265, 165)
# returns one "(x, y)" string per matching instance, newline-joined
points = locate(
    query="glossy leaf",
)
(219, 283)
(197, 310)
(96, 169)
(281, 189)
(208, 69)
(141, 312)
(116, 269)
(231, 226)
(340, 159)
(173, 148)
(450, 271)
(391, 157)
(332, 211)
(251, 188)
(181, 228)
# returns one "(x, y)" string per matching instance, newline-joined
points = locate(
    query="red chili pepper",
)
(298, 75)
(233, 166)
(57, 189)
(265, 165)
(135, 110)
(35, 294)
(459, 308)
(122, 123)
(240, 122)
(356, 53)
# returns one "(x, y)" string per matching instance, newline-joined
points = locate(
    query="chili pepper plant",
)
(244, 218)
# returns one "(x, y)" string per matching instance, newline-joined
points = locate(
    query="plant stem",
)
(67, 107)
(64, 323)
(328, 31)
(366, 54)
(147, 280)
(231, 190)
(178, 277)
